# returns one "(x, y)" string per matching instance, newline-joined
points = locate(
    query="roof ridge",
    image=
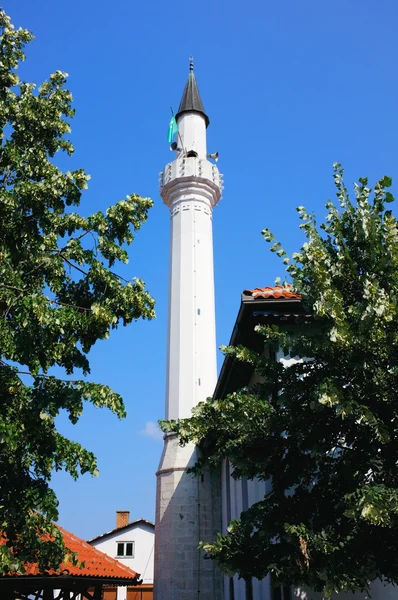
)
(274, 292)
(101, 535)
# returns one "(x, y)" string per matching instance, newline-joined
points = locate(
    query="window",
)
(231, 589)
(249, 586)
(281, 592)
(125, 550)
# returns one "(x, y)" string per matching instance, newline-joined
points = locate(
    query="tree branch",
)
(83, 308)
(84, 273)
(71, 264)
(6, 177)
(41, 374)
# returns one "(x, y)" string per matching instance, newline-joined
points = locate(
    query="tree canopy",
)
(58, 296)
(323, 430)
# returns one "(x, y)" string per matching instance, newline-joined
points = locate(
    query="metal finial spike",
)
(191, 63)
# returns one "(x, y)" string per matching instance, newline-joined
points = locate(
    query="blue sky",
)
(290, 87)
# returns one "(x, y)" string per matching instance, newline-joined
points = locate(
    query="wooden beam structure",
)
(55, 588)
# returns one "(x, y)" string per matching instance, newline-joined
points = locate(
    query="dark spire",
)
(191, 100)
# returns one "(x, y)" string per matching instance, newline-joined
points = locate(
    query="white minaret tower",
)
(190, 186)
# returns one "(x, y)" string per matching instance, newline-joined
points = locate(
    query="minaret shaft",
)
(190, 187)
(192, 131)
(191, 369)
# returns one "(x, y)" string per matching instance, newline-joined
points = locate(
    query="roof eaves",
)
(247, 298)
(124, 528)
(33, 581)
(97, 564)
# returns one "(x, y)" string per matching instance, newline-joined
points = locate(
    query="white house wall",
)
(143, 537)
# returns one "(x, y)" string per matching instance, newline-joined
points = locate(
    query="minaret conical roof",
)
(191, 100)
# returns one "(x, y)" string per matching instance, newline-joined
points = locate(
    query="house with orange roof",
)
(132, 544)
(91, 579)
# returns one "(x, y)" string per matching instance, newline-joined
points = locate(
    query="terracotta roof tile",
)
(96, 563)
(273, 292)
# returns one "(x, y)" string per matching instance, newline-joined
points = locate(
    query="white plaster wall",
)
(256, 491)
(234, 502)
(192, 367)
(262, 589)
(190, 187)
(143, 537)
(192, 130)
(378, 591)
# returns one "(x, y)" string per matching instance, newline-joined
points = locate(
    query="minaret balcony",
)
(193, 175)
(190, 167)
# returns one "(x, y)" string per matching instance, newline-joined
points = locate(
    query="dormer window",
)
(125, 549)
(192, 154)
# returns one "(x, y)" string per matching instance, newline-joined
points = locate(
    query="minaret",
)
(190, 186)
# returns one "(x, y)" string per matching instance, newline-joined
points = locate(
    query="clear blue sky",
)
(290, 87)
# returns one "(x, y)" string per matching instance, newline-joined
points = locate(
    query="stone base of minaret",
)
(188, 510)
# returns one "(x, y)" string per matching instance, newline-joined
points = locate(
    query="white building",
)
(190, 187)
(131, 543)
(263, 306)
(189, 509)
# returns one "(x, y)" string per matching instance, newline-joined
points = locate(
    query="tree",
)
(323, 430)
(58, 296)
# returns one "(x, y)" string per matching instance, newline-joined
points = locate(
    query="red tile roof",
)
(96, 563)
(273, 292)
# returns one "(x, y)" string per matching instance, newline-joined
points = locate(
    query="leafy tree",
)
(58, 296)
(323, 430)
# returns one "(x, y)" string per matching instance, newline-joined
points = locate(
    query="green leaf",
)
(59, 294)
(321, 431)
(386, 181)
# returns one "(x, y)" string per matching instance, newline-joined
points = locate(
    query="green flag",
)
(173, 128)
